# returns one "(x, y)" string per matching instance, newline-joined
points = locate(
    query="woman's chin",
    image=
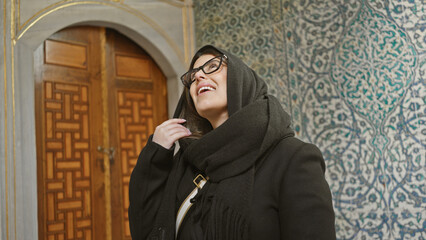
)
(214, 116)
(206, 111)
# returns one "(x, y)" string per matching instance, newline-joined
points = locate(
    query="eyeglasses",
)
(210, 66)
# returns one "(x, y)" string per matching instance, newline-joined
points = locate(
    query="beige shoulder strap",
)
(199, 182)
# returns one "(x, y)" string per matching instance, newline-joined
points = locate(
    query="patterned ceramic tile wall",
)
(352, 75)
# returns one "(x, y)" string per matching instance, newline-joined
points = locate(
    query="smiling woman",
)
(239, 173)
(208, 89)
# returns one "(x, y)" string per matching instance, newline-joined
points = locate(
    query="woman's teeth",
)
(203, 89)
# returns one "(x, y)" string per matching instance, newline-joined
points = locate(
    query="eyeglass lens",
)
(209, 67)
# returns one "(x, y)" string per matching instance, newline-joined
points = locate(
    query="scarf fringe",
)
(225, 223)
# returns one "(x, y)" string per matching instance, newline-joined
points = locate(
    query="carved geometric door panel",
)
(82, 195)
(137, 105)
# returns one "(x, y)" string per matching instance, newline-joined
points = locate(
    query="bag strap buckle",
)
(199, 181)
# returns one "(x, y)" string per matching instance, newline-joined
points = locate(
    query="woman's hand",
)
(167, 133)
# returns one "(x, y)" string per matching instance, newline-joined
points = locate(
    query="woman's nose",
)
(199, 75)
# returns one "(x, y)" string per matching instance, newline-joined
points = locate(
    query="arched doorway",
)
(98, 97)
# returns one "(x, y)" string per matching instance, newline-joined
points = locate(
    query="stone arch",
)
(146, 35)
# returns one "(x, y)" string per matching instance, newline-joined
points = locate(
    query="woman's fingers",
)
(170, 131)
(170, 128)
(178, 135)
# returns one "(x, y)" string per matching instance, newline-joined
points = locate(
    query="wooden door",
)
(95, 91)
(137, 105)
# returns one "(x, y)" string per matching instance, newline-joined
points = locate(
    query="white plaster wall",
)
(161, 28)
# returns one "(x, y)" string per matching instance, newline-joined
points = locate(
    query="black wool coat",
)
(291, 198)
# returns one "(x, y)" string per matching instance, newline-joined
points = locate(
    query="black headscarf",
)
(229, 156)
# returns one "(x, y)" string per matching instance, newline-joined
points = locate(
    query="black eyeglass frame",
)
(185, 78)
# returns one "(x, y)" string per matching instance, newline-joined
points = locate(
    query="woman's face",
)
(208, 91)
